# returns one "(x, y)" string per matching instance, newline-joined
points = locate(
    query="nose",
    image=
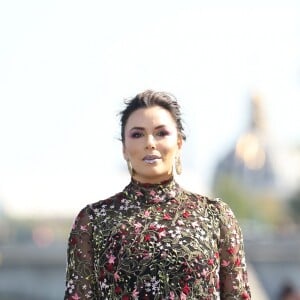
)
(150, 143)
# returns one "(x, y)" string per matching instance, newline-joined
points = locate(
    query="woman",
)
(155, 240)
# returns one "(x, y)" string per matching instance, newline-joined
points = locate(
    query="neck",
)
(152, 182)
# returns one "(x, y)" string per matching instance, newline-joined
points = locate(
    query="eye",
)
(136, 134)
(162, 133)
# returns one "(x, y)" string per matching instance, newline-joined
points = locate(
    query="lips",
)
(150, 159)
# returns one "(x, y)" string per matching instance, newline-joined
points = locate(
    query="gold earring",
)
(129, 166)
(178, 166)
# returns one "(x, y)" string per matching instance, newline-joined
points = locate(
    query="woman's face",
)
(151, 143)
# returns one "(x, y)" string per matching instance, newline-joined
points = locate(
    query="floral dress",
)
(156, 241)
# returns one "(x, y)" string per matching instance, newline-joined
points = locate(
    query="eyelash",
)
(163, 133)
(136, 135)
(160, 133)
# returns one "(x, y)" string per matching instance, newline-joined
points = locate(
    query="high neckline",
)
(152, 193)
(151, 185)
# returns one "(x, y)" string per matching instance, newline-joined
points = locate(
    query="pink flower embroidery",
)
(135, 294)
(137, 227)
(225, 263)
(147, 213)
(152, 193)
(75, 297)
(83, 227)
(161, 232)
(111, 259)
(117, 276)
(180, 222)
(194, 224)
(204, 273)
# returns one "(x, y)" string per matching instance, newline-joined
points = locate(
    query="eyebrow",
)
(142, 128)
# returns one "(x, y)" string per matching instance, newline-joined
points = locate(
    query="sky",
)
(67, 66)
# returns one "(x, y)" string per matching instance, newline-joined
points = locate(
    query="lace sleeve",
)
(80, 277)
(233, 270)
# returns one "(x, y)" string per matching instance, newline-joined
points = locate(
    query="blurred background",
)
(65, 69)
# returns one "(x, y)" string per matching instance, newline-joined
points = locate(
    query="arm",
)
(80, 277)
(233, 270)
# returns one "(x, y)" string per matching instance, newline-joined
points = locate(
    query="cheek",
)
(131, 148)
(169, 149)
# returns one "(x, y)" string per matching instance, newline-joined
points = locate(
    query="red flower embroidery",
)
(144, 234)
(186, 214)
(245, 295)
(152, 226)
(147, 238)
(237, 262)
(110, 267)
(231, 250)
(101, 275)
(73, 241)
(186, 289)
(167, 217)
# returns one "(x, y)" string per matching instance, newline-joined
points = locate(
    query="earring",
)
(129, 166)
(178, 166)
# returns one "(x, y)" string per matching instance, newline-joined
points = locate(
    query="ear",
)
(179, 142)
(124, 152)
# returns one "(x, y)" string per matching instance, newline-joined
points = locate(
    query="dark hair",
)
(150, 98)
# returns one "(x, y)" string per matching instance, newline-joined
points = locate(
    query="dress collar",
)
(152, 193)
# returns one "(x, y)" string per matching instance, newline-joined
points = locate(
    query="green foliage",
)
(294, 206)
(235, 197)
(250, 204)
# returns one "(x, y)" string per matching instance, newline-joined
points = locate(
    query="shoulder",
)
(216, 204)
(107, 201)
(97, 206)
(89, 211)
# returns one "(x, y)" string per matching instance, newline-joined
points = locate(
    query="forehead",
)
(150, 117)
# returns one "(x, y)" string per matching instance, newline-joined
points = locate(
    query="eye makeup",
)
(136, 134)
(161, 131)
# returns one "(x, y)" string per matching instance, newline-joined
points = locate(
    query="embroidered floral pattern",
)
(156, 242)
